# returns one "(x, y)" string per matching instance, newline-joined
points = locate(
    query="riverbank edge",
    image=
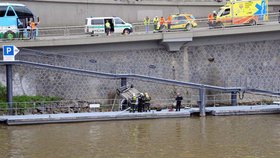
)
(125, 115)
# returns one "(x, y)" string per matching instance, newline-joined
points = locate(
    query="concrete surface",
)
(125, 115)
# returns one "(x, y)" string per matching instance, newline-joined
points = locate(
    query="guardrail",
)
(137, 27)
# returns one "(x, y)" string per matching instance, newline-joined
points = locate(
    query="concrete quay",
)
(93, 116)
(125, 115)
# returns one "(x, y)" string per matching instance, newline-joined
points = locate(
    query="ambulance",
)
(96, 25)
(240, 12)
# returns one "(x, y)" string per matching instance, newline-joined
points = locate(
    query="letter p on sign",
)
(9, 53)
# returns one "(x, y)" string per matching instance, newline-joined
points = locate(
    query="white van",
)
(96, 25)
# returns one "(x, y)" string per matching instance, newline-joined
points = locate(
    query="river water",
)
(194, 137)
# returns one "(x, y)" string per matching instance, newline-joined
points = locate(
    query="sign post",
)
(9, 53)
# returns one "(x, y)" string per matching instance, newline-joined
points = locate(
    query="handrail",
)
(144, 77)
(261, 91)
(118, 76)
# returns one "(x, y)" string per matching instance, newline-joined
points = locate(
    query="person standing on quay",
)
(140, 102)
(178, 99)
(147, 103)
(133, 103)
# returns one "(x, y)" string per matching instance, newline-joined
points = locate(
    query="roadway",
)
(163, 37)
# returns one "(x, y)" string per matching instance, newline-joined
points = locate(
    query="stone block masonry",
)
(150, 62)
(251, 64)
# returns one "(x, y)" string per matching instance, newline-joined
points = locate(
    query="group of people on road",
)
(140, 103)
(30, 31)
(161, 21)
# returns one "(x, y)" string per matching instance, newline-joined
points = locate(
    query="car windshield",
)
(221, 11)
(119, 21)
(175, 18)
(192, 17)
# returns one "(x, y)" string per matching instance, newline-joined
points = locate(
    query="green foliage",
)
(3, 93)
(23, 101)
(25, 98)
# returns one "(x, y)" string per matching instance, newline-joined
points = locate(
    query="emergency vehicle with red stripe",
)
(240, 12)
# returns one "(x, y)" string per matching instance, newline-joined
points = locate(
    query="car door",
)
(226, 17)
(119, 25)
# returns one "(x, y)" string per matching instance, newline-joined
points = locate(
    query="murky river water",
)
(211, 137)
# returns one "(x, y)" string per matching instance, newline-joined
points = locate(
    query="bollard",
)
(9, 81)
(233, 98)
(202, 93)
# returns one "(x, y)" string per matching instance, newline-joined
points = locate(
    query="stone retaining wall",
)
(251, 64)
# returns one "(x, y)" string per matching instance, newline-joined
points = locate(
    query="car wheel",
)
(220, 25)
(252, 22)
(188, 27)
(126, 31)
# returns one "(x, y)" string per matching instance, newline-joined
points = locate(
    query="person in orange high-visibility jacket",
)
(33, 29)
(169, 19)
(161, 23)
(210, 20)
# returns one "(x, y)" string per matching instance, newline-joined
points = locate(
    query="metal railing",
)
(108, 105)
(91, 64)
(186, 0)
(67, 31)
(147, 69)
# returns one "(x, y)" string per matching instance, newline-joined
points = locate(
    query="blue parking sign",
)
(8, 50)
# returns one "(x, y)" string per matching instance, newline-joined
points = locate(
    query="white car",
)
(96, 25)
